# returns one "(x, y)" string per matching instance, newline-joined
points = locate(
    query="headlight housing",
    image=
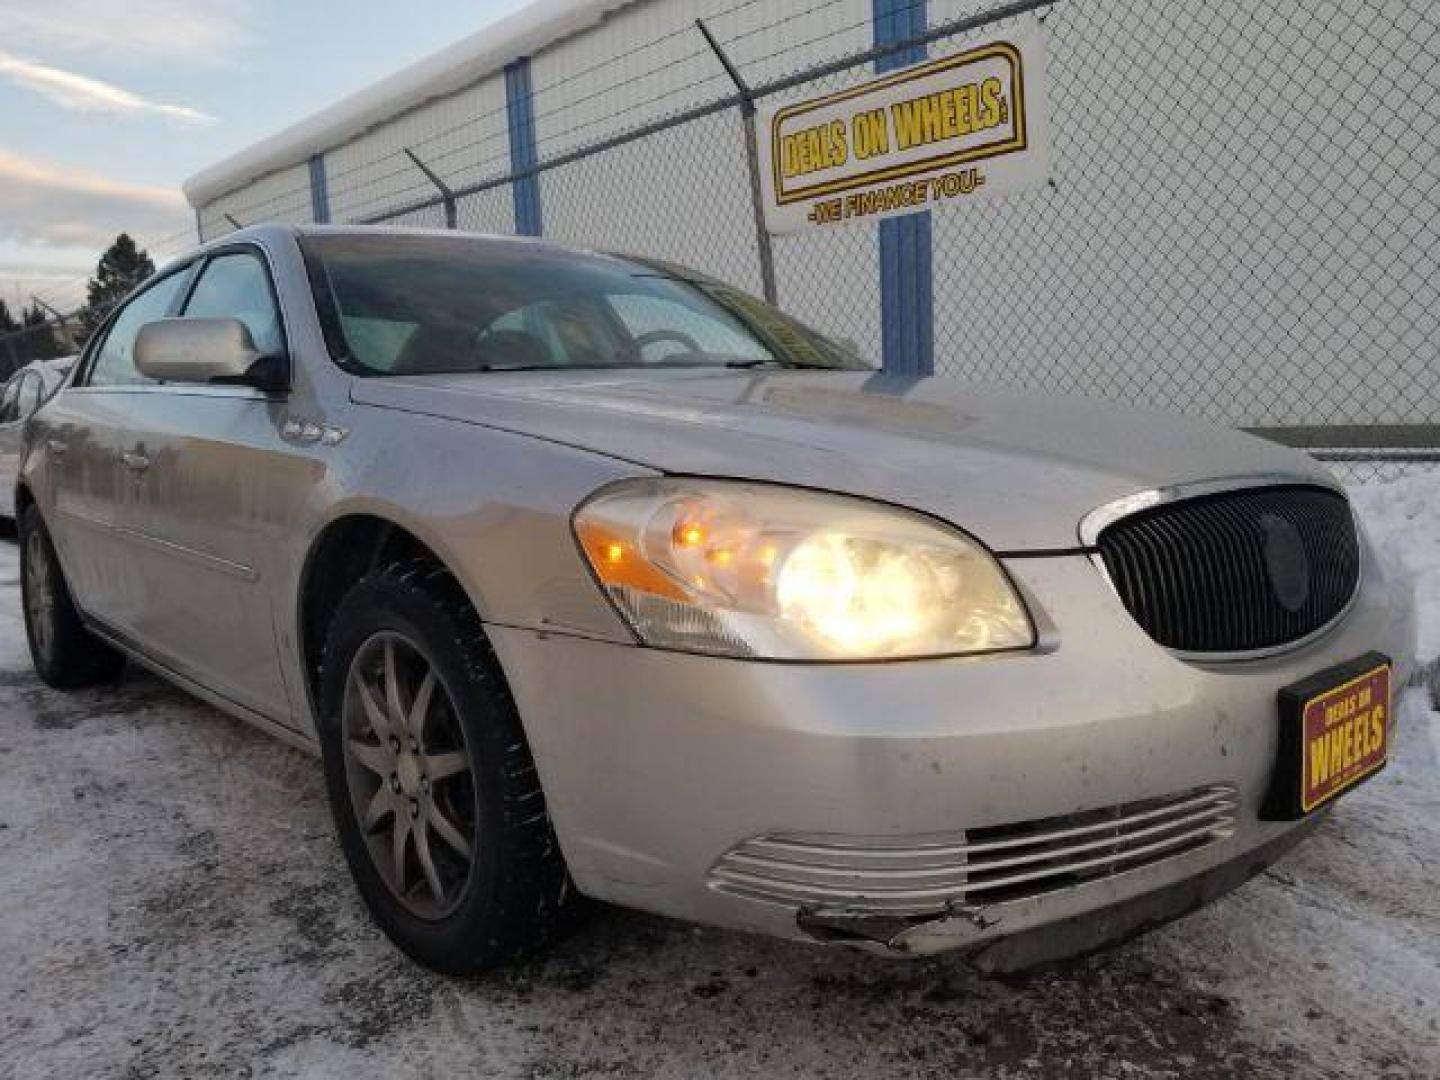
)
(758, 570)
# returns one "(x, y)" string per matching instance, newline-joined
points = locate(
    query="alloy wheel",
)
(411, 778)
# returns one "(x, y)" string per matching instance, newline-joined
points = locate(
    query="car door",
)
(87, 429)
(216, 491)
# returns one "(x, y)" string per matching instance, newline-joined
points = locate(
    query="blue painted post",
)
(319, 191)
(907, 315)
(520, 111)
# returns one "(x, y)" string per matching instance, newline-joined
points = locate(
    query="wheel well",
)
(344, 552)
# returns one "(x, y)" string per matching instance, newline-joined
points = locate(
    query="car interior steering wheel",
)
(652, 337)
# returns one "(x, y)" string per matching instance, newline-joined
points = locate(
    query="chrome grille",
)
(1235, 572)
(918, 875)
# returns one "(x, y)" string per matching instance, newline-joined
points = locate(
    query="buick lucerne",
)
(590, 576)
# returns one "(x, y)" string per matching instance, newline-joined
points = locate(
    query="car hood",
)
(1016, 469)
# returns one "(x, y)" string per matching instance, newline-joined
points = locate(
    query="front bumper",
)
(657, 764)
(1078, 935)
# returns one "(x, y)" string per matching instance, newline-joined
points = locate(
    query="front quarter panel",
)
(493, 506)
(36, 464)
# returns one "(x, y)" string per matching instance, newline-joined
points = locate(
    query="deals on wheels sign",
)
(962, 126)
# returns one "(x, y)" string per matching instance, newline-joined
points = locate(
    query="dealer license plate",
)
(1334, 733)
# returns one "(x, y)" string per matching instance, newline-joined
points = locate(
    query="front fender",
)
(493, 506)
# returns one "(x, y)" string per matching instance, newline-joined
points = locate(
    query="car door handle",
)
(135, 462)
(57, 447)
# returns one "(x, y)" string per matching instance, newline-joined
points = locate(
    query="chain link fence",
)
(1242, 225)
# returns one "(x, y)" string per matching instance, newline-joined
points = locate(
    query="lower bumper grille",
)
(921, 875)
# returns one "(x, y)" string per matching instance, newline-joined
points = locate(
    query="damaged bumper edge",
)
(979, 931)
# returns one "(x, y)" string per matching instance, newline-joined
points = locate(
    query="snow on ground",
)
(174, 904)
(1403, 518)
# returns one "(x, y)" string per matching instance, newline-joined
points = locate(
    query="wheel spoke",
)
(377, 759)
(440, 766)
(39, 599)
(448, 832)
(427, 864)
(380, 804)
(418, 829)
(420, 707)
(379, 722)
(400, 835)
(393, 706)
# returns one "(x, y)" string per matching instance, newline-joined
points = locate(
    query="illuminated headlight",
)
(740, 569)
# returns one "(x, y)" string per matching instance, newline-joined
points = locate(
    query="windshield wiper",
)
(772, 362)
(499, 368)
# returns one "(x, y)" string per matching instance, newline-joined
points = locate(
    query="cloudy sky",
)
(106, 106)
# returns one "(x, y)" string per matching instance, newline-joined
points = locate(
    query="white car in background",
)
(29, 388)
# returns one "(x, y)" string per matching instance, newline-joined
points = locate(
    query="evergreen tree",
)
(10, 342)
(123, 266)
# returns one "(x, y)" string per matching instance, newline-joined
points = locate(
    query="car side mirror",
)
(205, 351)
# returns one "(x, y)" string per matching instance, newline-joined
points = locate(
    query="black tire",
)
(65, 654)
(516, 895)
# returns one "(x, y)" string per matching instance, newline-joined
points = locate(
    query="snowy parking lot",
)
(174, 904)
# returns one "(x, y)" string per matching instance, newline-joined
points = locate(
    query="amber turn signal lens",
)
(617, 563)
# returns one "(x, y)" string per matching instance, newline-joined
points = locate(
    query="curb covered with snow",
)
(1402, 518)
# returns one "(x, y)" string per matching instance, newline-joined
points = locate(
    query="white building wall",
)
(463, 137)
(282, 196)
(684, 195)
(1236, 229)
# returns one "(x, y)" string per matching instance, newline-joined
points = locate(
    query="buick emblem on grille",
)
(1286, 563)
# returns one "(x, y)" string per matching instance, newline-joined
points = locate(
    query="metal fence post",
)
(752, 158)
(907, 308)
(319, 190)
(447, 197)
(525, 178)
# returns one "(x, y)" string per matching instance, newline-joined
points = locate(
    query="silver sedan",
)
(591, 576)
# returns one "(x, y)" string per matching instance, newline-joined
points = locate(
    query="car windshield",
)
(408, 305)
